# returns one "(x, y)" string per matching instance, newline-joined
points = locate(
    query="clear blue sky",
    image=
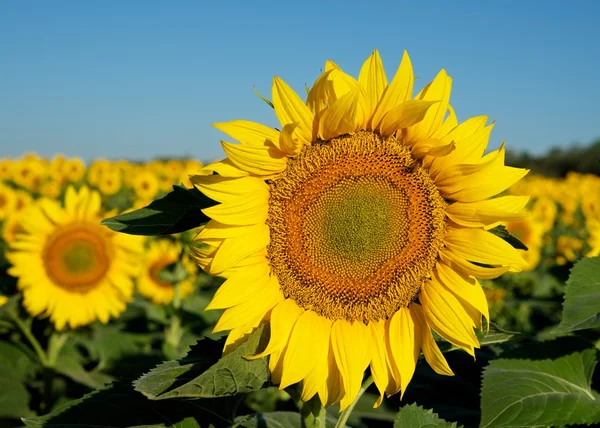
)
(138, 79)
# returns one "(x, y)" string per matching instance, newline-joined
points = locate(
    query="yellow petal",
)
(463, 287)
(462, 265)
(431, 350)
(488, 212)
(438, 90)
(253, 310)
(444, 313)
(225, 168)
(310, 333)
(289, 108)
(261, 161)
(344, 116)
(248, 211)
(480, 246)
(448, 125)
(379, 363)
(399, 91)
(404, 115)
(225, 189)
(233, 250)
(250, 133)
(405, 344)
(475, 182)
(216, 230)
(373, 80)
(283, 318)
(332, 390)
(432, 147)
(288, 141)
(351, 348)
(240, 287)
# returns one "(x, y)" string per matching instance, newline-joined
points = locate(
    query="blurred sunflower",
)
(23, 199)
(356, 229)
(73, 169)
(145, 184)
(6, 166)
(3, 300)
(28, 172)
(531, 233)
(109, 182)
(11, 226)
(160, 254)
(69, 267)
(50, 189)
(8, 201)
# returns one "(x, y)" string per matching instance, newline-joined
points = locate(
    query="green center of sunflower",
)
(356, 226)
(77, 256)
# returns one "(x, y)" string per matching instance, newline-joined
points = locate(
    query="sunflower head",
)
(356, 229)
(160, 254)
(68, 266)
(8, 201)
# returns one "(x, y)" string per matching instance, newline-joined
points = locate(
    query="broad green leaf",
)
(269, 420)
(581, 308)
(16, 367)
(118, 405)
(540, 393)
(176, 212)
(414, 416)
(70, 363)
(204, 374)
(501, 232)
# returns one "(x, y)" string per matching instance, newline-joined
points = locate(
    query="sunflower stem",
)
(313, 413)
(35, 344)
(341, 423)
(55, 344)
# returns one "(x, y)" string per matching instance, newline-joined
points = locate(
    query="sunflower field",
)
(366, 264)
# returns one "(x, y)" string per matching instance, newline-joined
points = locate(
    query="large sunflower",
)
(69, 267)
(356, 229)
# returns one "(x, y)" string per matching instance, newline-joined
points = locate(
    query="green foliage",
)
(417, 417)
(178, 211)
(501, 232)
(582, 297)
(118, 405)
(540, 393)
(204, 374)
(16, 365)
(270, 420)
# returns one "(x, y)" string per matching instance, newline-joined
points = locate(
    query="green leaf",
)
(178, 211)
(203, 373)
(118, 405)
(501, 232)
(70, 363)
(269, 420)
(16, 367)
(581, 308)
(414, 416)
(538, 393)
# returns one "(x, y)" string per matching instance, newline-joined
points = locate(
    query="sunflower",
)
(357, 229)
(531, 233)
(160, 254)
(69, 267)
(145, 184)
(8, 201)
(11, 226)
(73, 169)
(3, 300)
(110, 182)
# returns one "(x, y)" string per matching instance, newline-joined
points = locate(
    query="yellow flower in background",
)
(23, 199)
(568, 249)
(50, 189)
(96, 171)
(544, 211)
(531, 233)
(73, 169)
(12, 226)
(160, 254)
(8, 201)
(68, 266)
(353, 231)
(109, 182)
(28, 173)
(6, 167)
(145, 184)
(173, 169)
(3, 300)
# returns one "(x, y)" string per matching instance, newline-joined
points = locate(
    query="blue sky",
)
(139, 79)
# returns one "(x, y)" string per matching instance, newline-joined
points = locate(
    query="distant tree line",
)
(557, 162)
